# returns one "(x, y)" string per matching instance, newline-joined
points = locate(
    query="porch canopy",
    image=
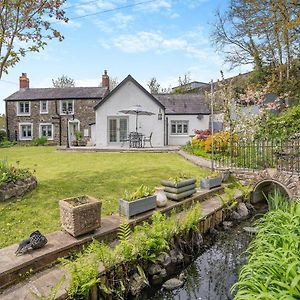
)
(136, 110)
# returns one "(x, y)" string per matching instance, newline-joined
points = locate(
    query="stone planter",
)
(17, 189)
(81, 143)
(132, 208)
(210, 182)
(80, 215)
(180, 189)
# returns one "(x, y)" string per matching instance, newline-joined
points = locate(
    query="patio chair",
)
(148, 139)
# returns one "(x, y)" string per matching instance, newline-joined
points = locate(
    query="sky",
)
(164, 39)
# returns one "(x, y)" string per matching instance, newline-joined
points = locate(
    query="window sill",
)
(23, 115)
(44, 113)
(25, 139)
(179, 135)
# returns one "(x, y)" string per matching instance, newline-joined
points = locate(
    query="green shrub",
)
(9, 173)
(3, 136)
(6, 144)
(39, 141)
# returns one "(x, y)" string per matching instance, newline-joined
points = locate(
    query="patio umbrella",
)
(136, 110)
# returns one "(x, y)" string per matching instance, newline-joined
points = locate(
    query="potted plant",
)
(179, 187)
(78, 139)
(211, 181)
(80, 215)
(139, 201)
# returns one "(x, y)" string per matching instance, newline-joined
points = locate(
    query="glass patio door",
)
(117, 129)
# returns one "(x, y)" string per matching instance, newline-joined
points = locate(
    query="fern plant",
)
(124, 231)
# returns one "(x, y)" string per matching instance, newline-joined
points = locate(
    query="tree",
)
(183, 83)
(263, 33)
(25, 27)
(63, 82)
(154, 86)
(113, 83)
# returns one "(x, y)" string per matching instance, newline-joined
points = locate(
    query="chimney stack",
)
(105, 80)
(24, 81)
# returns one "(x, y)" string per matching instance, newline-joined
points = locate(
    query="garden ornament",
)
(36, 240)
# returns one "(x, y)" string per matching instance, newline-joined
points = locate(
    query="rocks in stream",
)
(240, 213)
(172, 284)
(227, 225)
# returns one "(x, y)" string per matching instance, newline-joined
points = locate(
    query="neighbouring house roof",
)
(184, 103)
(58, 93)
(191, 85)
(128, 78)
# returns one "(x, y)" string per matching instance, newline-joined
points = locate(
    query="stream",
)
(213, 272)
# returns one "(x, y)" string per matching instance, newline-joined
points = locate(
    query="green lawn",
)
(61, 174)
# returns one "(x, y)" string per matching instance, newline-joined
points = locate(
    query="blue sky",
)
(163, 39)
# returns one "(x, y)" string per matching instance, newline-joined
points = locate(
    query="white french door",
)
(117, 129)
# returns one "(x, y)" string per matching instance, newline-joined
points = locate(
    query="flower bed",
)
(14, 181)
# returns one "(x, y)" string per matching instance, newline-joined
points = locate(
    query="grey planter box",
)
(180, 196)
(179, 190)
(178, 184)
(132, 208)
(209, 183)
(82, 218)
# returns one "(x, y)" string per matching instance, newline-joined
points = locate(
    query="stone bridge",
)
(268, 180)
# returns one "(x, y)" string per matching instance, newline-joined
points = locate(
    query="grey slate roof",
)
(58, 93)
(184, 103)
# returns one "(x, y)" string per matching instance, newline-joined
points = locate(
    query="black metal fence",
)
(260, 154)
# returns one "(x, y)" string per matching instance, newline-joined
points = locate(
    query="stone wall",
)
(83, 111)
(17, 189)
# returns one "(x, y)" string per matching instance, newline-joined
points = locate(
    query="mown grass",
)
(64, 174)
(273, 268)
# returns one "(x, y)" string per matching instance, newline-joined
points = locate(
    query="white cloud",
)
(117, 21)
(154, 6)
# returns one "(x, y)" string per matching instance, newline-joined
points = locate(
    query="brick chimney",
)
(24, 81)
(105, 80)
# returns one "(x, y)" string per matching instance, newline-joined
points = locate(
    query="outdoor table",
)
(135, 140)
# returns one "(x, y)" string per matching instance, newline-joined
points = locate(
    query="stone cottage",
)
(56, 113)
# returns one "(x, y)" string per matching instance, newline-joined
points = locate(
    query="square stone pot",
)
(210, 182)
(80, 215)
(132, 208)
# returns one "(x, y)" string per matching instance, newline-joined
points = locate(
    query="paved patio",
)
(122, 149)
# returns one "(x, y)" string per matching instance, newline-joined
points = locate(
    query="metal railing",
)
(260, 154)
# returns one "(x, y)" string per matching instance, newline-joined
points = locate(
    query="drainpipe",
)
(59, 118)
(6, 122)
(212, 123)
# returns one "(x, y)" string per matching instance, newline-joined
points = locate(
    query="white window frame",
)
(182, 122)
(63, 113)
(41, 106)
(21, 138)
(52, 130)
(19, 113)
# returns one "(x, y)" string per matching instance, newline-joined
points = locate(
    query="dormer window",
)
(23, 108)
(43, 106)
(66, 107)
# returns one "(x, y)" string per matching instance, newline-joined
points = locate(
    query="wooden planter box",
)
(80, 215)
(179, 190)
(132, 208)
(209, 183)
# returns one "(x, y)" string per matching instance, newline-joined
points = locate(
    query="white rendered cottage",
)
(174, 119)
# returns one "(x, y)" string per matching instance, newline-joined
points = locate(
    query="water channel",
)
(212, 274)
